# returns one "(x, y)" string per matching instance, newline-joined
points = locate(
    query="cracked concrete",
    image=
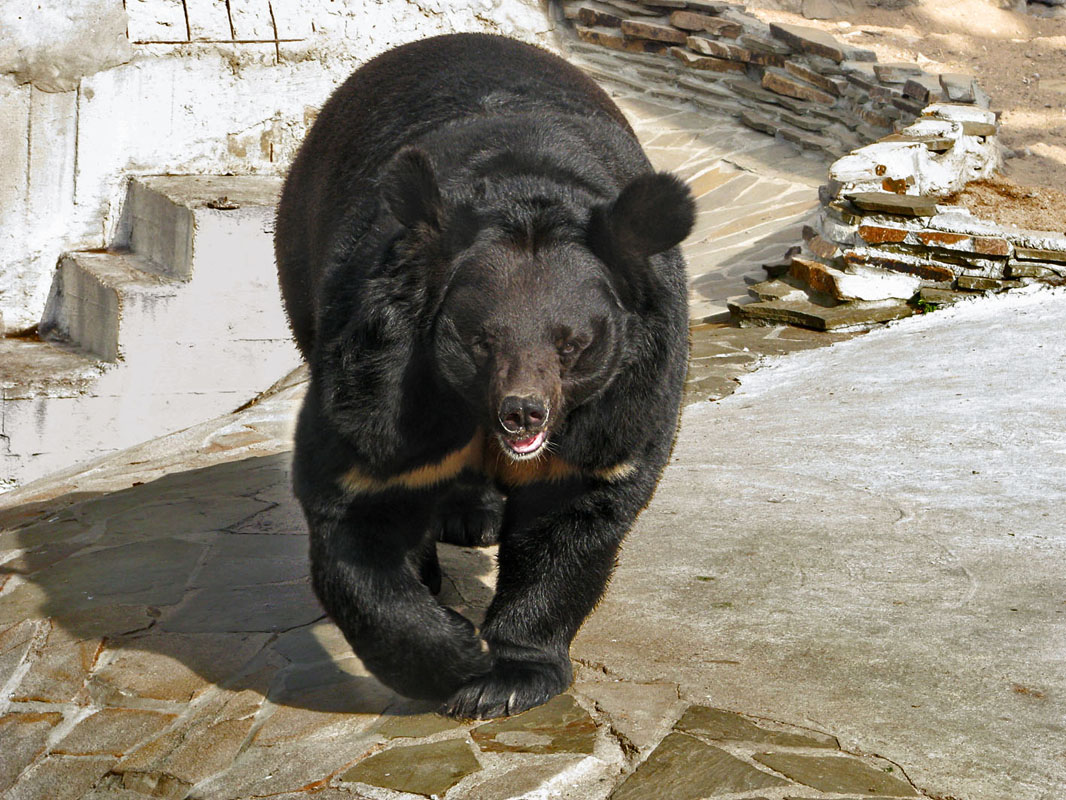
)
(877, 550)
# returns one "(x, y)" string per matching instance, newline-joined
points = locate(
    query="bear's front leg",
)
(368, 570)
(373, 564)
(557, 551)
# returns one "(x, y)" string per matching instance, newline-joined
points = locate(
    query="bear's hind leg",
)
(470, 512)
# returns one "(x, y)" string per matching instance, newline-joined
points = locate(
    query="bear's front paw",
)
(512, 687)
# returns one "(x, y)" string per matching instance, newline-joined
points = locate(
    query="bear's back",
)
(390, 101)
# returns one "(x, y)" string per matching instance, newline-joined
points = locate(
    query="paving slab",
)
(174, 762)
(551, 776)
(25, 737)
(640, 713)
(60, 777)
(558, 726)
(112, 731)
(837, 774)
(684, 768)
(415, 726)
(171, 667)
(717, 723)
(425, 769)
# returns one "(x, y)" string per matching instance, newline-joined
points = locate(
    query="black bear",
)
(481, 268)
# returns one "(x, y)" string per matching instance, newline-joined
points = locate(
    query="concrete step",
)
(36, 377)
(94, 294)
(180, 321)
(31, 368)
(163, 213)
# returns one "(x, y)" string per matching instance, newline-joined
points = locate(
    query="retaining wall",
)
(885, 243)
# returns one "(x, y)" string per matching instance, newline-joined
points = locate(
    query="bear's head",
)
(533, 301)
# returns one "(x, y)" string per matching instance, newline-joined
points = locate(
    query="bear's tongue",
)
(523, 446)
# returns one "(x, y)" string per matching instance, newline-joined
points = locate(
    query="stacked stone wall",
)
(791, 81)
(883, 207)
(885, 242)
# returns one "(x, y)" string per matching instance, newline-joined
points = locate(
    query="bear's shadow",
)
(197, 579)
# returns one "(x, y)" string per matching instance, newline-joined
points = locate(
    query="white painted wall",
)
(92, 91)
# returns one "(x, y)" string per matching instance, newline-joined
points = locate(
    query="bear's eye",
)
(568, 348)
(480, 345)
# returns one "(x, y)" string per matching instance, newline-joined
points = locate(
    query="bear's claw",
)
(511, 687)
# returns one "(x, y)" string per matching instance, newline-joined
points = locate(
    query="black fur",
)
(471, 226)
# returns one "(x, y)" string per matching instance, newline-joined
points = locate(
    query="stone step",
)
(804, 313)
(94, 294)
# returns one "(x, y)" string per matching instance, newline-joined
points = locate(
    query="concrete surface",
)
(869, 539)
(859, 551)
(157, 638)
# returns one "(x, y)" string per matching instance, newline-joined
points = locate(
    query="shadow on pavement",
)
(162, 590)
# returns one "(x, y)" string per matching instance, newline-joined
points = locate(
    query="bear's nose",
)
(523, 413)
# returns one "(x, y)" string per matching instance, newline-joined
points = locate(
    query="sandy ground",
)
(1036, 207)
(1018, 58)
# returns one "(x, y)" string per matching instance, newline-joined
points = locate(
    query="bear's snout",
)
(524, 421)
(523, 413)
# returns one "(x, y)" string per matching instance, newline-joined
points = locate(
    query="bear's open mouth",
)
(524, 448)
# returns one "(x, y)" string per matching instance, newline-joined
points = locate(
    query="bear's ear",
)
(410, 189)
(652, 213)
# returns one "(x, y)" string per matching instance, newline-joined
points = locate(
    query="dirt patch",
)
(1008, 203)
(1018, 58)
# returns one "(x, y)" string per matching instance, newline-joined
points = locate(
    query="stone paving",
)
(159, 638)
(753, 195)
